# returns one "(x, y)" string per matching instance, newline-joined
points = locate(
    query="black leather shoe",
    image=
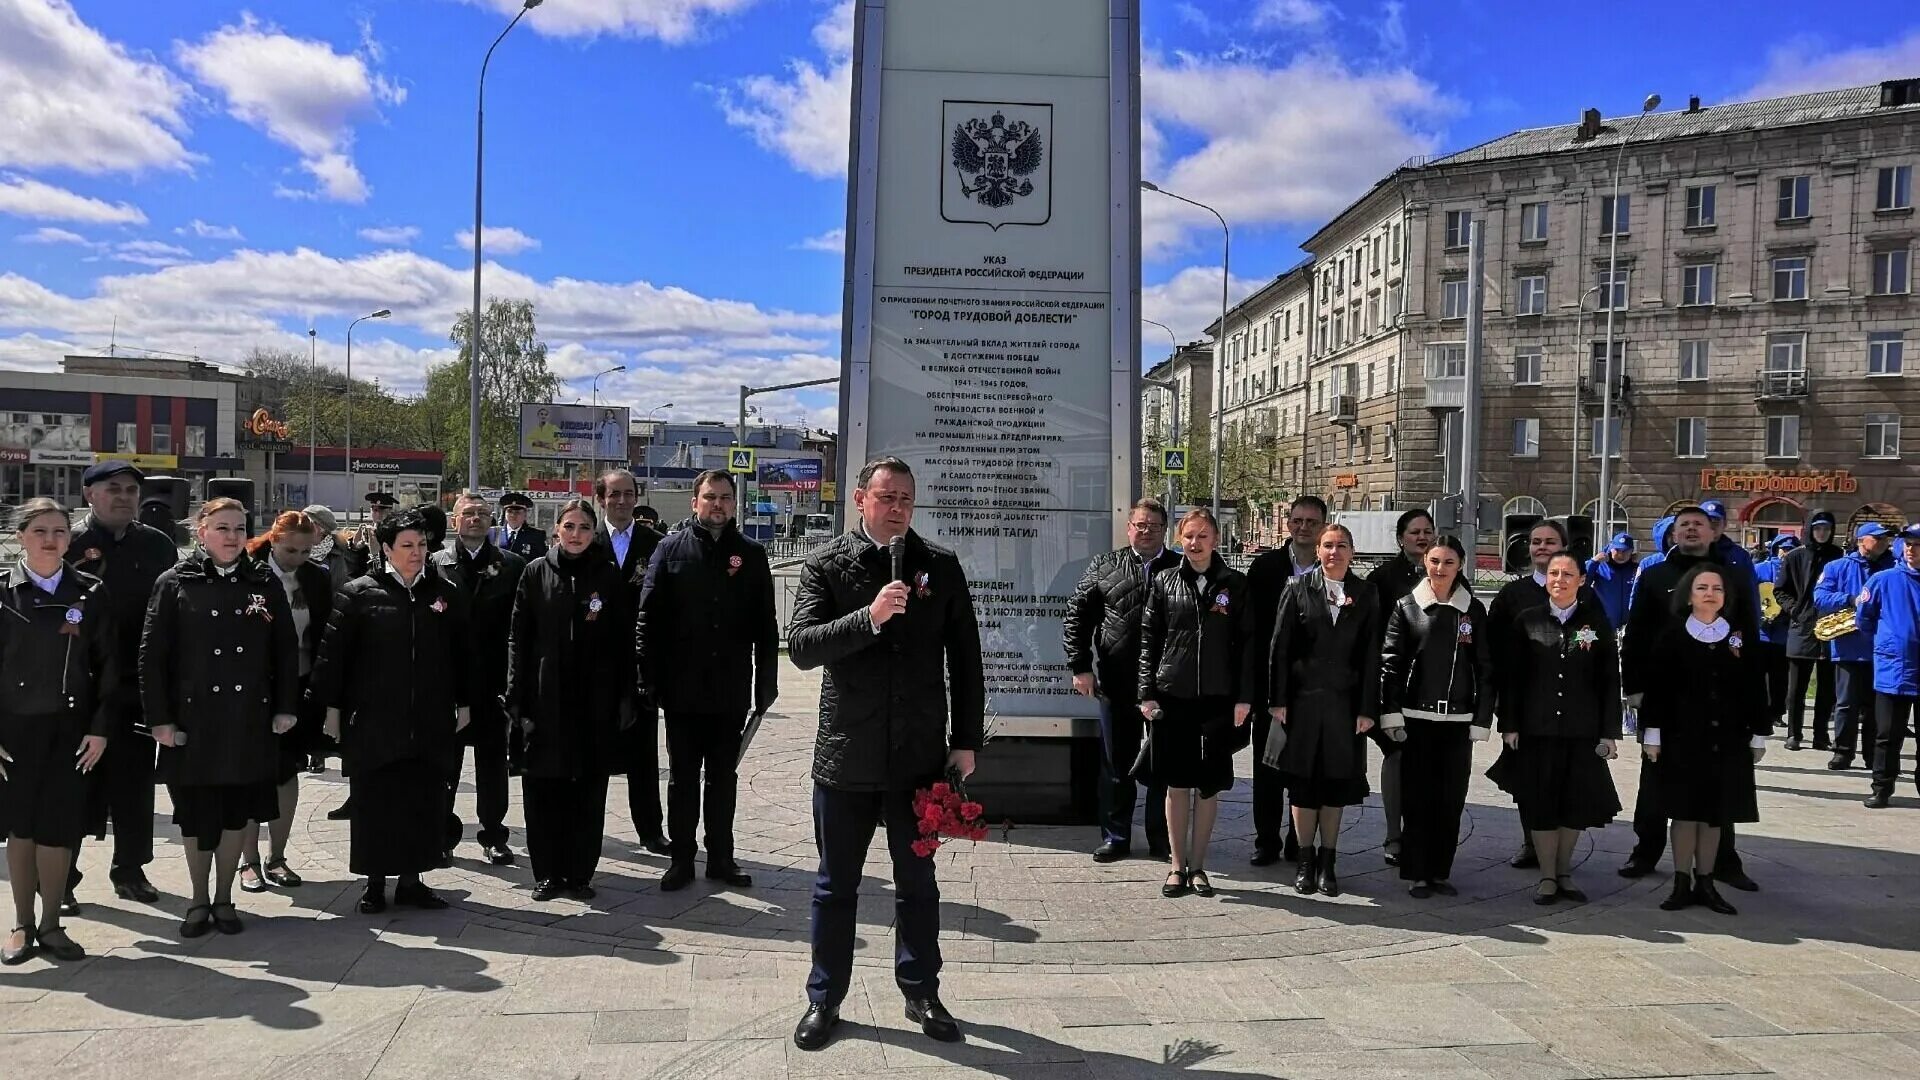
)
(1709, 897)
(1682, 895)
(1822, 744)
(1390, 852)
(1793, 743)
(1877, 801)
(815, 1029)
(1569, 892)
(1110, 852)
(547, 890)
(1264, 857)
(731, 874)
(1525, 859)
(1737, 879)
(24, 953)
(68, 905)
(677, 877)
(415, 894)
(1840, 763)
(656, 844)
(580, 890)
(1304, 880)
(133, 885)
(1636, 867)
(1326, 882)
(341, 812)
(373, 903)
(933, 1018)
(499, 854)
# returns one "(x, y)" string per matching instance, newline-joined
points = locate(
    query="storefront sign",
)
(140, 461)
(363, 466)
(1773, 482)
(795, 474)
(1346, 480)
(41, 456)
(10, 456)
(263, 431)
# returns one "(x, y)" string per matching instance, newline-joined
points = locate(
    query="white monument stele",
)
(991, 328)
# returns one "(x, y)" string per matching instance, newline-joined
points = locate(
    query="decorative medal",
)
(920, 585)
(92, 555)
(73, 616)
(1585, 637)
(1465, 632)
(733, 565)
(593, 607)
(257, 605)
(1220, 603)
(439, 604)
(1734, 641)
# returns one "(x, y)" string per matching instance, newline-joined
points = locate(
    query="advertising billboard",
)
(794, 474)
(573, 432)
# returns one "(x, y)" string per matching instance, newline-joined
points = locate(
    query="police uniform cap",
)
(380, 498)
(514, 498)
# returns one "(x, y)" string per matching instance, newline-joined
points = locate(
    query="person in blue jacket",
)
(1840, 585)
(1773, 631)
(1611, 575)
(1726, 550)
(1662, 540)
(1889, 612)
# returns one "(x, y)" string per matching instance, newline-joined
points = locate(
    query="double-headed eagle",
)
(996, 155)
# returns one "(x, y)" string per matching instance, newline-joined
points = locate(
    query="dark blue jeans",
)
(1121, 729)
(843, 825)
(1852, 707)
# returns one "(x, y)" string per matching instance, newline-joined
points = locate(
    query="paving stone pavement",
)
(1059, 968)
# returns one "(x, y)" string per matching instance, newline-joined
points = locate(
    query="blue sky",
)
(211, 177)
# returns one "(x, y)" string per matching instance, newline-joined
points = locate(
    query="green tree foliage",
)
(319, 401)
(513, 369)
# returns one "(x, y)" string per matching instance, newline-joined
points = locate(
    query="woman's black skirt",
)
(204, 811)
(399, 818)
(1192, 744)
(1559, 783)
(44, 798)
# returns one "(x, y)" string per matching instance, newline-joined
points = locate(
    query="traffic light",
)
(1579, 535)
(1515, 558)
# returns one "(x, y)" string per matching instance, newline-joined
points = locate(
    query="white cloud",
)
(47, 234)
(803, 116)
(72, 99)
(1188, 302)
(150, 253)
(390, 235)
(672, 21)
(204, 231)
(1804, 65)
(300, 92)
(1292, 14)
(497, 240)
(27, 198)
(833, 240)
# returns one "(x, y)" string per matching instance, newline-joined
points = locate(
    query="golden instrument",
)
(1769, 605)
(1837, 625)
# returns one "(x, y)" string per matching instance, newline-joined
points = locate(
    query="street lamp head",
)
(531, 4)
(311, 332)
(381, 314)
(1148, 185)
(1652, 103)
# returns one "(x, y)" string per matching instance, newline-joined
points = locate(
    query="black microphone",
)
(897, 550)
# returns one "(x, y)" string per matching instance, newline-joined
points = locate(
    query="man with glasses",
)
(631, 543)
(1267, 578)
(1102, 632)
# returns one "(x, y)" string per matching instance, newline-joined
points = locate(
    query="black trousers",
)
(1773, 657)
(565, 821)
(122, 793)
(643, 773)
(1121, 730)
(1435, 763)
(843, 825)
(1269, 791)
(1852, 705)
(696, 742)
(1799, 673)
(489, 786)
(1892, 712)
(1650, 828)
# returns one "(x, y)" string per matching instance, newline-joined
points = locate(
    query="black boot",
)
(1303, 881)
(1329, 885)
(1709, 897)
(1682, 895)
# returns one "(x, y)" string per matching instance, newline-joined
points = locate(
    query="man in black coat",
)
(1693, 540)
(1808, 658)
(128, 557)
(631, 544)
(515, 534)
(707, 646)
(1267, 578)
(895, 651)
(487, 577)
(1102, 632)
(363, 551)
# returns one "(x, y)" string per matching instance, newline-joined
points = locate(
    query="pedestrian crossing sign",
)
(740, 459)
(1173, 461)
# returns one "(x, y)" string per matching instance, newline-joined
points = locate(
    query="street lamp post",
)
(381, 314)
(473, 330)
(596, 414)
(1605, 504)
(313, 405)
(1219, 339)
(1580, 349)
(651, 432)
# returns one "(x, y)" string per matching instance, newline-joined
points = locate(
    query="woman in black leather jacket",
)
(1197, 683)
(1436, 701)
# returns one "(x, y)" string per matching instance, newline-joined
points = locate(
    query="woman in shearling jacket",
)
(1436, 700)
(1198, 679)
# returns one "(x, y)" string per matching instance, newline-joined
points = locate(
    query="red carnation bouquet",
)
(945, 813)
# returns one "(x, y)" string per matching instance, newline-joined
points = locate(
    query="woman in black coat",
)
(220, 683)
(1198, 675)
(283, 551)
(1391, 581)
(392, 677)
(570, 662)
(1436, 690)
(1705, 719)
(1325, 670)
(1560, 718)
(58, 668)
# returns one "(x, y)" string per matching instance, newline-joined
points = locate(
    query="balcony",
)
(1590, 390)
(1781, 386)
(1446, 391)
(1346, 409)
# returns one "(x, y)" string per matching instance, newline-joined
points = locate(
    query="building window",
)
(196, 445)
(1883, 435)
(1614, 298)
(1890, 271)
(162, 438)
(1783, 437)
(126, 438)
(1339, 329)
(1700, 207)
(1393, 376)
(1447, 361)
(1795, 202)
(1533, 295)
(1693, 360)
(1459, 226)
(1613, 444)
(1696, 284)
(1393, 305)
(1895, 190)
(1790, 277)
(1526, 437)
(1358, 255)
(1453, 298)
(1886, 352)
(1379, 243)
(1373, 314)
(1369, 380)
(1533, 222)
(1690, 437)
(1616, 215)
(1393, 246)
(1528, 365)
(1787, 352)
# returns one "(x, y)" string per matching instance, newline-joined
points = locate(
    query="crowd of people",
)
(1700, 648)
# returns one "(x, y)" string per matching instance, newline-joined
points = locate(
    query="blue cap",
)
(1621, 542)
(1715, 509)
(1870, 528)
(103, 470)
(1911, 532)
(1785, 542)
